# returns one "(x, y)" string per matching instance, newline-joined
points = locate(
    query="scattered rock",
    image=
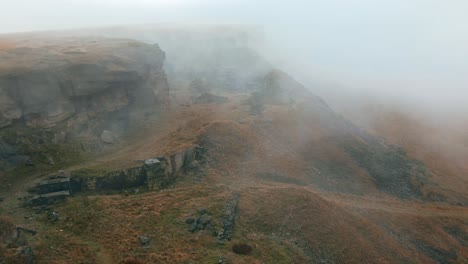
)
(42, 209)
(26, 254)
(230, 212)
(50, 160)
(151, 162)
(108, 137)
(64, 173)
(201, 223)
(204, 219)
(52, 216)
(144, 241)
(193, 227)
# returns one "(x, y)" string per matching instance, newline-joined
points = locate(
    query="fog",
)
(331, 131)
(349, 51)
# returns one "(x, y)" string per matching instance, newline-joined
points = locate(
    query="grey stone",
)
(27, 254)
(53, 216)
(193, 227)
(108, 137)
(204, 219)
(201, 223)
(152, 162)
(230, 212)
(144, 241)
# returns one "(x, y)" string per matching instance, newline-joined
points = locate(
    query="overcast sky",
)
(419, 47)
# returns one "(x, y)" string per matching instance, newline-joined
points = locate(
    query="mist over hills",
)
(179, 142)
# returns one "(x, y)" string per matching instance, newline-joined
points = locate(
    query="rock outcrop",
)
(155, 174)
(230, 211)
(86, 85)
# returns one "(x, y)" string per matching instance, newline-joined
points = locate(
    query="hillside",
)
(264, 162)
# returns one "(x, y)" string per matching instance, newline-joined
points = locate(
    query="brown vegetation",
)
(286, 221)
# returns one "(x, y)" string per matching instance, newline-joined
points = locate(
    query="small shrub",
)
(242, 249)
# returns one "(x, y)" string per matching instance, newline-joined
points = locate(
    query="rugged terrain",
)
(252, 159)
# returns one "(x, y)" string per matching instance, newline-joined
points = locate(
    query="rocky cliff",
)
(75, 82)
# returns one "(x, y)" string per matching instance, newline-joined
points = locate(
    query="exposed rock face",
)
(9, 157)
(208, 98)
(85, 84)
(155, 174)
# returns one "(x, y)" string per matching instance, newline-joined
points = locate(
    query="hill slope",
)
(278, 170)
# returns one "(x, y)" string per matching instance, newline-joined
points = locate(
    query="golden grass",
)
(284, 223)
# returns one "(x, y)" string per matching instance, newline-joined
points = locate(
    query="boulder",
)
(26, 254)
(201, 223)
(204, 219)
(52, 216)
(152, 162)
(108, 137)
(144, 241)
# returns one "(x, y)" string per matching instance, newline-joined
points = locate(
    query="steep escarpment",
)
(50, 82)
(91, 89)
